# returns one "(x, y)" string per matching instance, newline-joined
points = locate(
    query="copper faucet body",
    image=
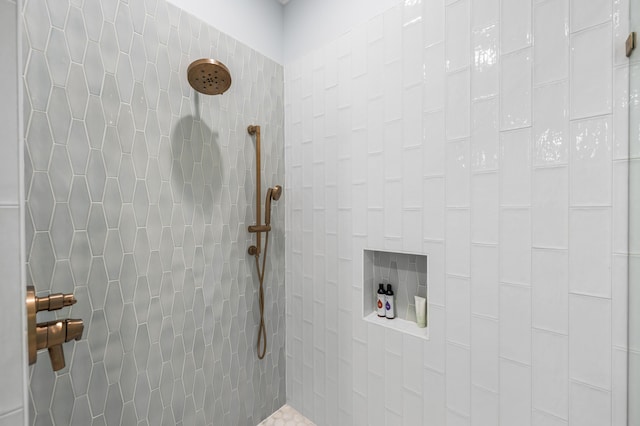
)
(50, 335)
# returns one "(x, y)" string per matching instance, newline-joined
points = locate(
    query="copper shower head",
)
(276, 192)
(272, 194)
(209, 77)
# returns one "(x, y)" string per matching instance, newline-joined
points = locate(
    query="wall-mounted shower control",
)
(50, 335)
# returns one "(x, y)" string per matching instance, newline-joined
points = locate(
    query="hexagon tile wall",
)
(139, 193)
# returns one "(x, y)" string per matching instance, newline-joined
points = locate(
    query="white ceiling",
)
(283, 2)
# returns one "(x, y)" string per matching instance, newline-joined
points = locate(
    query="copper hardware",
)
(50, 335)
(254, 250)
(53, 334)
(272, 194)
(209, 77)
(55, 301)
(277, 192)
(259, 228)
(630, 44)
(31, 324)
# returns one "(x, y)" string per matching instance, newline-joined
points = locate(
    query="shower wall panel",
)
(139, 192)
(13, 403)
(492, 137)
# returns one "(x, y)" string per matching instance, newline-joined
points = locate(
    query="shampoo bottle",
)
(390, 303)
(381, 301)
(421, 311)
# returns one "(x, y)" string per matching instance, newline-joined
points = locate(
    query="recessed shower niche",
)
(408, 273)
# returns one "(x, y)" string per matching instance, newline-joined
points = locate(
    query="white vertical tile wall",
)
(13, 404)
(522, 199)
(633, 295)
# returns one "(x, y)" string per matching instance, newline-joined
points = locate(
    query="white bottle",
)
(421, 311)
(382, 312)
(390, 303)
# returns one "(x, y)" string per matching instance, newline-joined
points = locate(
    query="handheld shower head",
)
(272, 194)
(276, 192)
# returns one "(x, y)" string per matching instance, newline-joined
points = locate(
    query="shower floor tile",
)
(286, 416)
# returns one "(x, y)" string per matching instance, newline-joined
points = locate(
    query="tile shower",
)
(487, 135)
(139, 192)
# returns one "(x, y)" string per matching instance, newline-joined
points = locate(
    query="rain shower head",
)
(209, 76)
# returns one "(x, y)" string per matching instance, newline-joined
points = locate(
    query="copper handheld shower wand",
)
(272, 194)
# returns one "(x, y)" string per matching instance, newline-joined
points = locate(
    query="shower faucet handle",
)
(55, 301)
(51, 335)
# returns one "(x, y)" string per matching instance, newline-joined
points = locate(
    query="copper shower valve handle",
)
(51, 335)
(55, 301)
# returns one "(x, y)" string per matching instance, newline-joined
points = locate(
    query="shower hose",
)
(262, 331)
